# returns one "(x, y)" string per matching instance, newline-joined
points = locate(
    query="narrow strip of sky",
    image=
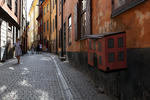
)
(29, 2)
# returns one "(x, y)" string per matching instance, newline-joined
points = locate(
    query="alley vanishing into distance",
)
(45, 77)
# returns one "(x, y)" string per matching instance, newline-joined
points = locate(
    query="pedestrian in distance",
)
(18, 51)
(40, 48)
(32, 48)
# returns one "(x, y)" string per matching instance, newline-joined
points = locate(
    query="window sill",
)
(125, 7)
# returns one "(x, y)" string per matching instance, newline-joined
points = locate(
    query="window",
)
(53, 4)
(121, 56)
(47, 25)
(44, 10)
(16, 7)
(91, 56)
(120, 6)
(60, 38)
(47, 7)
(111, 57)
(100, 60)
(9, 3)
(94, 45)
(111, 43)
(53, 25)
(59, 7)
(83, 17)
(99, 46)
(69, 30)
(41, 22)
(44, 27)
(90, 44)
(120, 42)
(55, 21)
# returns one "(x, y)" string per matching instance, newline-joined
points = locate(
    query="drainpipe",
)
(56, 29)
(50, 29)
(62, 50)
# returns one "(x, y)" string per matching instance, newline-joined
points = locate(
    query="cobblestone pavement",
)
(44, 77)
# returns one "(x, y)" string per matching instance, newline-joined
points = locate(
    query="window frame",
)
(47, 7)
(16, 7)
(44, 26)
(53, 25)
(9, 3)
(47, 25)
(69, 30)
(124, 7)
(83, 15)
(44, 10)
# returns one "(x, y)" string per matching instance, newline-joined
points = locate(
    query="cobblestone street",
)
(44, 77)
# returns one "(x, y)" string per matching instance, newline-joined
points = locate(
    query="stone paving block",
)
(37, 78)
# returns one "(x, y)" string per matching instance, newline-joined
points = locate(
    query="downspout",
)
(50, 28)
(56, 29)
(26, 29)
(62, 50)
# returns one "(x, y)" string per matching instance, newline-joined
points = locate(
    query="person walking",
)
(32, 48)
(18, 51)
(40, 48)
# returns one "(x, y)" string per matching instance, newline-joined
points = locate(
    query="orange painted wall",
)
(134, 21)
(53, 32)
(46, 17)
(69, 9)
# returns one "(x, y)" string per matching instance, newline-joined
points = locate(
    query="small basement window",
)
(111, 57)
(111, 43)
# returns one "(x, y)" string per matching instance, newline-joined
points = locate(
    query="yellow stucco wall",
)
(33, 24)
(53, 25)
(46, 18)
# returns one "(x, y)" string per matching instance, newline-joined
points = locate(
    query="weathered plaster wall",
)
(134, 21)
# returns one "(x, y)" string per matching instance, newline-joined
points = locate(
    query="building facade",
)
(46, 25)
(85, 18)
(53, 26)
(33, 24)
(23, 24)
(40, 23)
(9, 27)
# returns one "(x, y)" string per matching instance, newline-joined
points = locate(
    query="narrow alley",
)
(45, 77)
